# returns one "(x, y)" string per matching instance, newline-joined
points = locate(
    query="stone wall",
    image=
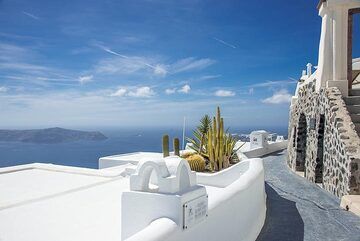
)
(326, 147)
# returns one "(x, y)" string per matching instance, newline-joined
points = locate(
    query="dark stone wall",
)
(331, 145)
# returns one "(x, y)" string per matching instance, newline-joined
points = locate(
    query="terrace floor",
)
(300, 210)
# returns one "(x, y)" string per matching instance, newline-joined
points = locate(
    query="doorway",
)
(301, 144)
(320, 151)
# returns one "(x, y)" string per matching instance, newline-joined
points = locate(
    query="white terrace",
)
(156, 199)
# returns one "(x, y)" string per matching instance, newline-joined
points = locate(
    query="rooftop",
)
(65, 196)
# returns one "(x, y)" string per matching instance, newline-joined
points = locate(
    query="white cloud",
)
(132, 91)
(160, 70)
(85, 79)
(185, 89)
(3, 89)
(251, 91)
(119, 93)
(225, 93)
(279, 97)
(72, 107)
(128, 64)
(225, 43)
(170, 91)
(21, 62)
(209, 77)
(31, 15)
(10, 52)
(123, 64)
(274, 83)
(144, 91)
(191, 63)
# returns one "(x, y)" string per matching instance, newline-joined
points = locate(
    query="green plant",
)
(200, 135)
(176, 146)
(221, 144)
(216, 144)
(165, 145)
(230, 152)
(196, 162)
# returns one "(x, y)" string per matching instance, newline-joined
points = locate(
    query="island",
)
(50, 135)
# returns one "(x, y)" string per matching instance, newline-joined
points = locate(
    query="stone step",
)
(352, 100)
(354, 92)
(354, 109)
(355, 118)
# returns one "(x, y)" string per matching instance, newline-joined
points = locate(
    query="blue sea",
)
(87, 153)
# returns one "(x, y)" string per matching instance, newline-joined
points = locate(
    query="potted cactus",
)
(216, 145)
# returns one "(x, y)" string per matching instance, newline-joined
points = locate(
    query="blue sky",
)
(149, 63)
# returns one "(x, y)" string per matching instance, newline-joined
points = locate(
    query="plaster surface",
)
(50, 202)
(34, 183)
(133, 158)
(60, 203)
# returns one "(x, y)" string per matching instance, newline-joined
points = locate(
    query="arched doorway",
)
(320, 151)
(301, 144)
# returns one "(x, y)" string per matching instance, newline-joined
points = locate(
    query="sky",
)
(151, 63)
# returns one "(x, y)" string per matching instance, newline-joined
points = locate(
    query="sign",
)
(195, 211)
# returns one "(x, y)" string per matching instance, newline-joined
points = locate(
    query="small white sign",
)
(195, 211)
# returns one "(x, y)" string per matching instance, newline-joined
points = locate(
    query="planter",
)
(224, 177)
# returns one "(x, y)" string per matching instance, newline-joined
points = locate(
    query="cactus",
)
(213, 165)
(218, 144)
(186, 154)
(176, 146)
(165, 145)
(196, 162)
(219, 140)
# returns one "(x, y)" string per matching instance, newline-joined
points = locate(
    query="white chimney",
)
(309, 69)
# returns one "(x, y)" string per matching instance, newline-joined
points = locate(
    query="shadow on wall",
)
(283, 221)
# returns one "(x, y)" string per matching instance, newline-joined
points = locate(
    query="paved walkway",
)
(300, 210)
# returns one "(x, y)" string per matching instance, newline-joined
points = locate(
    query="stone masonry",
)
(323, 142)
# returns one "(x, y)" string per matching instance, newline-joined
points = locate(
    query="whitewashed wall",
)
(236, 211)
(270, 148)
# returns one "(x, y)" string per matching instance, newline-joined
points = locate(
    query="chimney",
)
(309, 69)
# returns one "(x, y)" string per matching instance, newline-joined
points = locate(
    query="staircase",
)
(353, 106)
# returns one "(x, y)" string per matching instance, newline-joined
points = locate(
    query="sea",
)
(87, 153)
